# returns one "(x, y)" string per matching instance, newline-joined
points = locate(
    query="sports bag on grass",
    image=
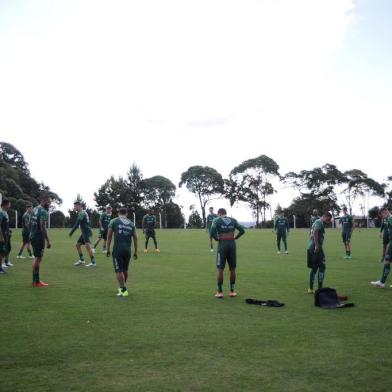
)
(327, 298)
(268, 302)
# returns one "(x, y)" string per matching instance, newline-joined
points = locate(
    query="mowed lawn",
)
(171, 334)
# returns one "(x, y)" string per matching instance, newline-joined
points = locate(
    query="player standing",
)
(4, 232)
(210, 217)
(347, 230)
(123, 231)
(384, 234)
(222, 230)
(315, 251)
(38, 236)
(148, 227)
(26, 223)
(281, 227)
(83, 221)
(313, 218)
(104, 220)
(385, 214)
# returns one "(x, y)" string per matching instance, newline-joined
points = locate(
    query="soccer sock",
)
(232, 286)
(92, 259)
(36, 277)
(123, 289)
(347, 253)
(320, 279)
(29, 251)
(311, 279)
(220, 287)
(81, 258)
(385, 272)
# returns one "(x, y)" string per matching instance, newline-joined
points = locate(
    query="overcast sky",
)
(88, 87)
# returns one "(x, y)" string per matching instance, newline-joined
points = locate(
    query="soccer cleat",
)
(211, 250)
(31, 257)
(79, 262)
(219, 294)
(349, 257)
(310, 291)
(278, 252)
(39, 284)
(20, 257)
(157, 250)
(286, 252)
(378, 284)
(4, 265)
(9, 264)
(2, 271)
(232, 294)
(125, 293)
(91, 265)
(145, 250)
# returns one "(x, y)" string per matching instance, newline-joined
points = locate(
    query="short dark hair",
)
(222, 211)
(383, 209)
(344, 208)
(328, 214)
(5, 202)
(77, 203)
(123, 211)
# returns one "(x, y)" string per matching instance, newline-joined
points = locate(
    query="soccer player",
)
(313, 218)
(104, 220)
(222, 230)
(210, 217)
(315, 251)
(148, 227)
(26, 221)
(385, 214)
(281, 227)
(83, 221)
(384, 234)
(4, 232)
(38, 236)
(124, 231)
(347, 230)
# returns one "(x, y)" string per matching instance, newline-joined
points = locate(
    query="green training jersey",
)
(347, 223)
(384, 228)
(39, 214)
(318, 226)
(225, 225)
(149, 221)
(281, 225)
(4, 223)
(313, 219)
(123, 230)
(26, 218)
(389, 227)
(82, 221)
(105, 219)
(210, 218)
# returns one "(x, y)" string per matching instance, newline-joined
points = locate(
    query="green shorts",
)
(227, 251)
(346, 237)
(315, 260)
(121, 260)
(38, 246)
(25, 236)
(84, 239)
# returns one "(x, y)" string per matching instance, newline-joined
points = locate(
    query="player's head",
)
(78, 206)
(211, 209)
(281, 213)
(5, 204)
(327, 217)
(29, 208)
(123, 211)
(384, 212)
(222, 212)
(344, 209)
(108, 209)
(46, 201)
(315, 212)
(150, 211)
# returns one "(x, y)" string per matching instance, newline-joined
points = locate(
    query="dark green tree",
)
(194, 220)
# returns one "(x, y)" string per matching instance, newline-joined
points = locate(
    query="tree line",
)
(252, 182)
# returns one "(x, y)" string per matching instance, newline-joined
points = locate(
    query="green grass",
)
(171, 334)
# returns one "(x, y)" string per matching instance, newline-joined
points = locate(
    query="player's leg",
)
(29, 251)
(278, 239)
(2, 271)
(89, 248)
(220, 265)
(386, 268)
(232, 262)
(147, 238)
(284, 238)
(19, 256)
(321, 269)
(154, 238)
(104, 237)
(78, 245)
(97, 241)
(38, 250)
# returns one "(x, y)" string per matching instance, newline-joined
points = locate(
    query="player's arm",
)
(241, 230)
(135, 244)
(45, 233)
(316, 238)
(109, 241)
(76, 225)
(1, 232)
(143, 224)
(100, 222)
(214, 231)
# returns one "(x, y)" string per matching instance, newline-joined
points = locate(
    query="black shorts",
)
(25, 236)
(227, 251)
(38, 246)
(346, 237)
(385, 240)
(84, 239)
(315, 259)
(103, 234)
(121, 260)
(150, 233)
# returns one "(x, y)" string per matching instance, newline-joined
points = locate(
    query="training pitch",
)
(171, 334)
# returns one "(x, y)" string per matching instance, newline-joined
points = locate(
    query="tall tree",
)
(251, 182)
(205, 183)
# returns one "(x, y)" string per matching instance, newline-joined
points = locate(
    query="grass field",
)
(171, 334)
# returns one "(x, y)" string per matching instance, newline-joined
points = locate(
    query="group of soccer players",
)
(122, 231)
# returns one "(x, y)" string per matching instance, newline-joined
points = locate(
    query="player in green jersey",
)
(281, 227)
(385, 214)
(83, 221)
(313, 218)
(4, 232)
(26, 222)
(222, 230)
(38, 236)
(315, 251)
(347, 230)
(384, 234)
(104, 221)
(123, 231)
(148, 227)
(210, 217)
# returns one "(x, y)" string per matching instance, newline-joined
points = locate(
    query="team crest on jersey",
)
(226, 221)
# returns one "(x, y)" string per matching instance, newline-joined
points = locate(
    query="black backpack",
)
(327, 298)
